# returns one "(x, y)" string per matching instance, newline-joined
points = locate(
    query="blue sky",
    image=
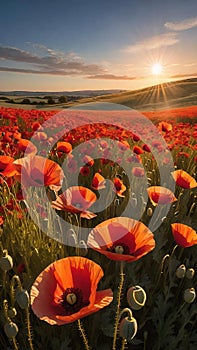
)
(74, 45)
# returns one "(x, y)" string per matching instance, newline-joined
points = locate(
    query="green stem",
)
(82, 332)
(118, 304)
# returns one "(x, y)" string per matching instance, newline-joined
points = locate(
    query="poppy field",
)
(98, 221)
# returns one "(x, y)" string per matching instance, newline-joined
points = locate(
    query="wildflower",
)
(64, 147)
(184, 235)
(164, 126)
(67, 291)
(160, 195)
(183, 179)
(88, 161)
(98, 182)
(27, 146)
(138, 150)
(119, 187)
(121, 238)
(6, 166)
(38, 171)
(138, 171)
(85, 170)
(76, 199)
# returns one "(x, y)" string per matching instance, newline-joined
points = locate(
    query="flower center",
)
(72, 300)
(119, 248)
(77, 205)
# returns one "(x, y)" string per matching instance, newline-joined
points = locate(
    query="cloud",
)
(187, 23)
(184, 75)
(111, 77)
(46, 61)
(155, 42)
(53, 63)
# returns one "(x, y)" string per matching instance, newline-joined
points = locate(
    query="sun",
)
(157, 68)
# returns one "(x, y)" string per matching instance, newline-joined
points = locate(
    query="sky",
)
(71, 45)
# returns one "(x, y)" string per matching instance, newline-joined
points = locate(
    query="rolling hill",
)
(176, 94)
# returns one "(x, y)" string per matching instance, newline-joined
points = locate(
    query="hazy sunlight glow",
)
(157, 68)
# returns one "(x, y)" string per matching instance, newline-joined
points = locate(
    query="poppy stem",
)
(82, 332)
(29, 331)
(124, 342)
(118, 304)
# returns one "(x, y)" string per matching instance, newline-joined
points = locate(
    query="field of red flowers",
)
(98, 220)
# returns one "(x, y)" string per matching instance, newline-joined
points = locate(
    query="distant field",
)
(163, 96)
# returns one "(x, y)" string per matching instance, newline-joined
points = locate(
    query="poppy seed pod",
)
(190, 273)
(136, 297)
(12, 312)
(180, 272)
(6, 262)
(11, 329)
(22, 298)
(149, 212)
(128, 328)
(189, 295)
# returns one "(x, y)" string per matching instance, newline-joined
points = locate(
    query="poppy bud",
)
(189, 295)
(190, 273)
(128, 328)
(12, 312)
(22, 298)
(6, 262)
(136, 297)
(180, 272)
(149, 212)
(11, 329)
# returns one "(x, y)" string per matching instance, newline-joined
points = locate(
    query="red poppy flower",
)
(98, 182)
(119, 187)
(67, 291)
(138, 150)
(160, 195)
(39, 171)
(64, 147)
(138, 171)
(184, 235)
(85, 170)
(27, 146)
(164, 126)
(88, 160)
(183, 179)
(36, 125)
(146, 148)
(6, 166)
(76, 199)
(1, 220)
(40, 136)
(121, 238)
(123, 145)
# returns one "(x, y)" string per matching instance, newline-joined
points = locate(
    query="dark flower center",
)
(72, 300)
(119, 248)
